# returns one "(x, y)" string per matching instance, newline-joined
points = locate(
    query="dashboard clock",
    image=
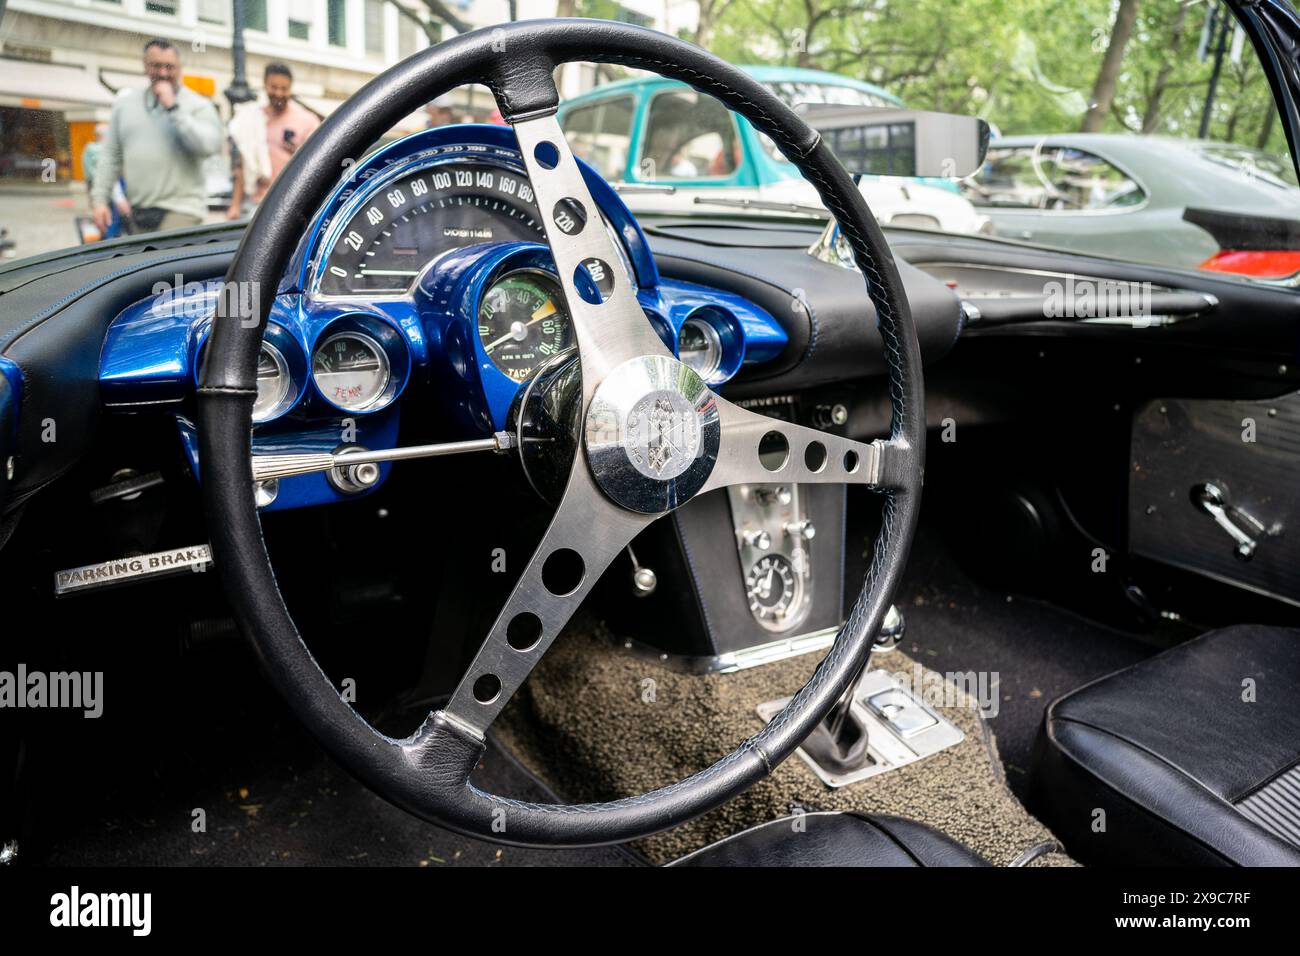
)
(775, 591)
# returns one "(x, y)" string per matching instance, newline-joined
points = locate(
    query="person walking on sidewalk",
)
(157, 140)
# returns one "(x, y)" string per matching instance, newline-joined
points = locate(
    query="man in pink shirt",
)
(266, 136)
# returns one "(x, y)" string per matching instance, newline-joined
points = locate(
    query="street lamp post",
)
(238, 91)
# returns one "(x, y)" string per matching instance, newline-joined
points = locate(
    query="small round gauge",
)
(522, 323)
(700, 348)
(773, 588)
(351, 370)
(272, 383)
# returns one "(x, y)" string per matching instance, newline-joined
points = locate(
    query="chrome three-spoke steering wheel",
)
(653, 435)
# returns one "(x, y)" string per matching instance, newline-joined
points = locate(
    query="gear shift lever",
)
(839, 743)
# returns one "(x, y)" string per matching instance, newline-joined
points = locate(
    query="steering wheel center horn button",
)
(652, 434)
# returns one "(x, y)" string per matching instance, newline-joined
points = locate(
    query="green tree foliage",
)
(1027, 66)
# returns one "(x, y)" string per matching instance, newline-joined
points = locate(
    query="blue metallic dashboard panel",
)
(11, 403)
(153, 351)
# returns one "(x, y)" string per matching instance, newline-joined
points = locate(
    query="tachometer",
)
(522, 322)
(413, 220)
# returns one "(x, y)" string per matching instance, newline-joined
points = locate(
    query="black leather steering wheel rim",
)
(428, 773)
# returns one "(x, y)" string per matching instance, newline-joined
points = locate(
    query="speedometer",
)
(407, 223)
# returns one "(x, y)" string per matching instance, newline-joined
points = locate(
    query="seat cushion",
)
(1190, 757)
(834, 839)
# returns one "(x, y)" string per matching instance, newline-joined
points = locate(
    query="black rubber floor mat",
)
(267, 794)
(1038, 651)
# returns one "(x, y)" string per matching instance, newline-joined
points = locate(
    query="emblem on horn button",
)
(652, 434)
(663, 435)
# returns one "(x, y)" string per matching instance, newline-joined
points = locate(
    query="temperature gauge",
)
(351, 370)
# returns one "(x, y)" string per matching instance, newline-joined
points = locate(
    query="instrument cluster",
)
(427, 263)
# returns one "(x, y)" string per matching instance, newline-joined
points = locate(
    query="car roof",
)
(764, 74)
(1168, 167)
(1126, 145)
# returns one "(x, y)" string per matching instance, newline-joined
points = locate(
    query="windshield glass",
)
(1122, 128)
(1131, 143)
(1253, 162)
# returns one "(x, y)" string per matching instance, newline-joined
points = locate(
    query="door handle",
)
(1244, 528)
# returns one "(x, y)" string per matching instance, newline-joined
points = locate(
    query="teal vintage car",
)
(651, 130)
(657, 132)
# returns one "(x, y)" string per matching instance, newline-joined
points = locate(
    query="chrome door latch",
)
(1244, 528)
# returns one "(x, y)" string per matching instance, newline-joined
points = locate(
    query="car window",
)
(688, 136)
(1253, 162)
(1163, 142)
(1052, 178)
(884, 150)
(795, 92)
(601, 134)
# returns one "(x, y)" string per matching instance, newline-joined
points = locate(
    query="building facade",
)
(63, 61)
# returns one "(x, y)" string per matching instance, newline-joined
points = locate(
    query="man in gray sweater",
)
(157, 141)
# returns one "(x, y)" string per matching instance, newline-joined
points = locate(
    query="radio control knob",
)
(780, 495)
(801, 529)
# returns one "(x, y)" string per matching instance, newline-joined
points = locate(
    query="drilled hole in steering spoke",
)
(814, 456)
(486, 688)
(546, 154)
(851, 461)
(773, 451)
(594, 280)
(569, 216)
(524, 631)
(563, 571)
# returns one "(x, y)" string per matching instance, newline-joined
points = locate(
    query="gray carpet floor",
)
(585, 723)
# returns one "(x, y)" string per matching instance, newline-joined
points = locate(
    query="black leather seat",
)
(1193, 756)
(834, 839)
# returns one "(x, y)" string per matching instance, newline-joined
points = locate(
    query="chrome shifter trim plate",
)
(901, 728)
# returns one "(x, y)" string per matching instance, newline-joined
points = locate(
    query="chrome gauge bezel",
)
(713, 347)
(546, 278)
(440, 156)
(797, 606)
(501, 158)
(283, 398)
(382, 396)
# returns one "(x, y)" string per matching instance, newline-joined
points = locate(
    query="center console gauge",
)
(774, 588)
(774, 537)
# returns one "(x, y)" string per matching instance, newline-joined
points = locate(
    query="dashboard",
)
(425, 273)
(421, 302)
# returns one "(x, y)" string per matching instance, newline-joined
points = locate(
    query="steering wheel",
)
(653, 435)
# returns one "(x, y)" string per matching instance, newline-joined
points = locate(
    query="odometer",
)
(406, 224)
(522, 322)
